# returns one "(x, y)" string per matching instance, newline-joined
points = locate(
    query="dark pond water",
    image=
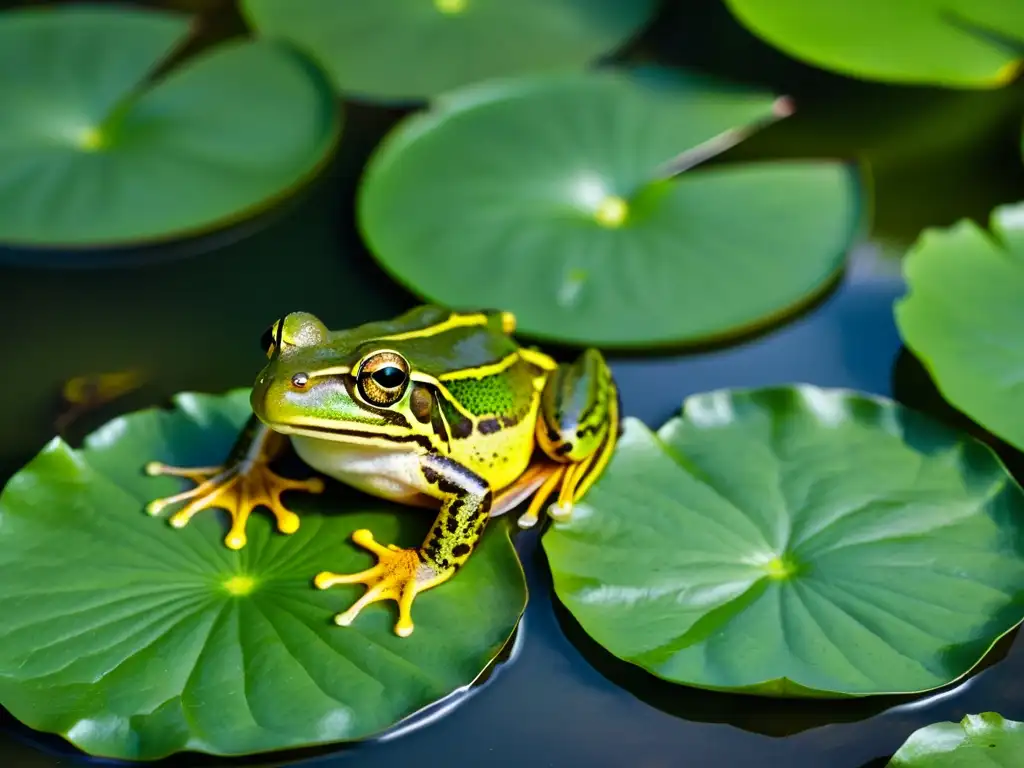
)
(190, 315)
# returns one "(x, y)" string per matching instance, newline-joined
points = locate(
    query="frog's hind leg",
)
(578, 427)
(244, 482)
(525, 486)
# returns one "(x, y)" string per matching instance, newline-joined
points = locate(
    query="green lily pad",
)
(414, 49)
(954, 43)
(93, 151)
(135, 640)
(796, 541)
(987, 740)
(551, 197)
(963, 317)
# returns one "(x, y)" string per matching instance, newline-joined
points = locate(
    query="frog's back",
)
(438, 341)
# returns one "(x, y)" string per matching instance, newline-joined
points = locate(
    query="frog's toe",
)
(399, 575)
(239, 489)
(560, 511)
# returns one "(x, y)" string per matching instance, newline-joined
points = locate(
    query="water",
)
(190, 317)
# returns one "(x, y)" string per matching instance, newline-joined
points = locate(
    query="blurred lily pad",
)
(134, 640)
(963, 317)
(987, 740)
(956, 43)
(96, 148)
(796, 541)
(414, 49)
(563, 200)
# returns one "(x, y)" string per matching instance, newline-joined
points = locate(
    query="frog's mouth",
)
(349, 435)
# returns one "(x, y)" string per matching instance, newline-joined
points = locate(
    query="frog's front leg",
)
(401, 574)
(244, 482)
(578, 426)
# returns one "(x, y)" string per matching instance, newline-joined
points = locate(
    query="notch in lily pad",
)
(102, 148)
(586, 204)
(135, 641)
(796, 541)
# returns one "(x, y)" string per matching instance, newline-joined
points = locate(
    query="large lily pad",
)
(959, 43)
(135, 640)
(987, 740)
(555, 197)
(796, 541)
(93, 152)
(412, 49)
(963, 317)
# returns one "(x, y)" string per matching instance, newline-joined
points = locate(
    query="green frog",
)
(436, 409)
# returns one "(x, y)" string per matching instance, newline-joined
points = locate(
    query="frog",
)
(435, 408)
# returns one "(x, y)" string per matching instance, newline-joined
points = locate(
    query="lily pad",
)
(135, 640)
(796, 541)
(414, 49)
(963, 316)
(954, 43)
(560, 199)
(987, 740)
(96, 149)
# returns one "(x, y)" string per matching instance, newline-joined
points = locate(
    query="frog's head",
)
(332, 385)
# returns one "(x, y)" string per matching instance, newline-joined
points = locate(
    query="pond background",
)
(190, 315)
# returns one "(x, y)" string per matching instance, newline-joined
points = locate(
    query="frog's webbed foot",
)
(239, 488)
(400, 575)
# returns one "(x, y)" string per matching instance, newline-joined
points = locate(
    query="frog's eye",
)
(269, 340)
(383, 378)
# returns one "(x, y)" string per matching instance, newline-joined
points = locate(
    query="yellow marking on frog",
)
(455, 321)
(482, 371)
(450, 7)
(240, 586)
(538, 358)
(612, 212)
(780, 568)
(334, 370)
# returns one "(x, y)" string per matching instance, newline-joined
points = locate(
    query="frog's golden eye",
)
(383, 378)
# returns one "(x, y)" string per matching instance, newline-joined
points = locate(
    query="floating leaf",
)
(796, 541)
(549, 197)
(959, 43)
(412, 49)
(978, 741)
(93, 153)
(963, 316)
(135, 640)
